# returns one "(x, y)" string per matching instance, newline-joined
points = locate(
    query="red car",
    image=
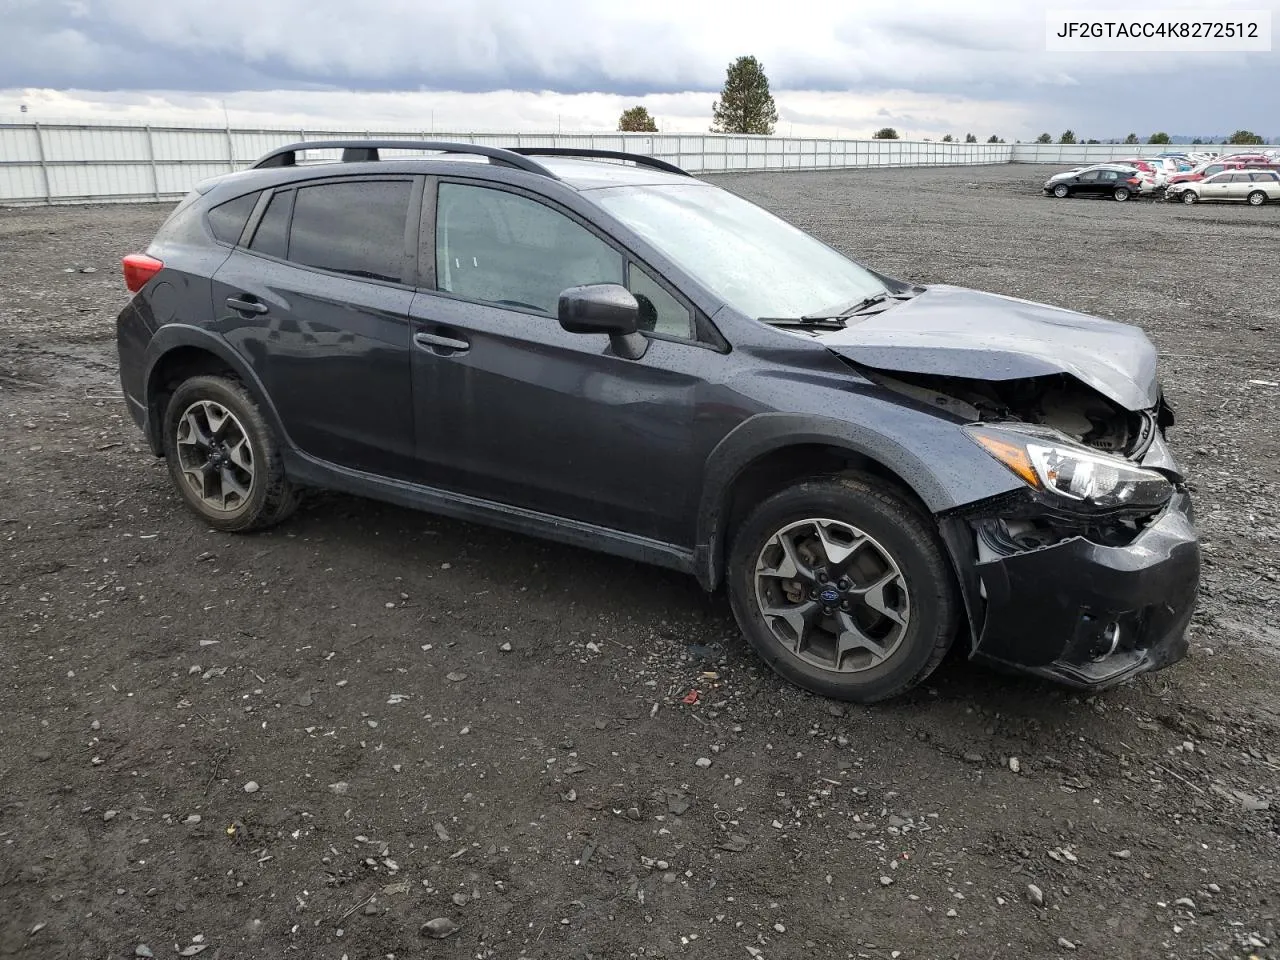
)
(1205, 170)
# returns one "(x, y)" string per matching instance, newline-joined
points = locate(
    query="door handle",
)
(436, 342)
(246, 306)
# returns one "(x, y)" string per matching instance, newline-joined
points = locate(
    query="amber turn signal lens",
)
(1012, 455)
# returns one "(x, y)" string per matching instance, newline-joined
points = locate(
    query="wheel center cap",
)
(829, 595)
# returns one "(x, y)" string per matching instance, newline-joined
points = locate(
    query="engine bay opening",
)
(1060, 402)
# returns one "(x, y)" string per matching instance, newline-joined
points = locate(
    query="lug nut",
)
(822, 576)
(844, 583)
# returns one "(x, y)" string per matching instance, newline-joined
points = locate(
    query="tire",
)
(902, 550)
(214, 428)
(1257, 198)
(1121, 194)
(1190, 196)
(1062, 191)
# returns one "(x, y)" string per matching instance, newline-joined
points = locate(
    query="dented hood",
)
(954, 332)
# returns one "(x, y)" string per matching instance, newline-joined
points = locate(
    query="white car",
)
(1254, 187)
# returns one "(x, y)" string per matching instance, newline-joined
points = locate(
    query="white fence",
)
(78, 163)
(82, 163)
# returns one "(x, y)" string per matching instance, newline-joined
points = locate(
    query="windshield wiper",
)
(808, 323)
(847, 309)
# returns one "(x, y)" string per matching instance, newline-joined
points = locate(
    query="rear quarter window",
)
(227, 220)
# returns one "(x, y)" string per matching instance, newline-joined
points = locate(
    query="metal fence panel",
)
(77, 162)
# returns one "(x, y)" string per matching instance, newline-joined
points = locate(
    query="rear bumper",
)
(1093, 616)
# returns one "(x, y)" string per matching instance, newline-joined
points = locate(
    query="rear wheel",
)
(843, 588)
(1190, 196)
(223, 456)
(1061, 191)
(1257, 198)
(1121, 193)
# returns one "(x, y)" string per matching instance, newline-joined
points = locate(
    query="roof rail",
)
(640, 159)
(357, 151)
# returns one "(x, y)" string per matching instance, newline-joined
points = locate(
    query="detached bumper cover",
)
(1092, 616)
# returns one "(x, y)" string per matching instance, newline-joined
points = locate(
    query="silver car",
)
(1255, 187)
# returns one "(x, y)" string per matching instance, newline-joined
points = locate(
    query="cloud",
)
(932, 52)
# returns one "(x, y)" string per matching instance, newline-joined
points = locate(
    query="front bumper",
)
(1093, 616)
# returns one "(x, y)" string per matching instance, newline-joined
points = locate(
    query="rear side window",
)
(356, 228)
(227, 220)
(272, 235)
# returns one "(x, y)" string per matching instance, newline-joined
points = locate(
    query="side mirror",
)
(599, 308)
(604, 308)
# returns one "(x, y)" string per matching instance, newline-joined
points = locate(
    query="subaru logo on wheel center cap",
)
(830, 595)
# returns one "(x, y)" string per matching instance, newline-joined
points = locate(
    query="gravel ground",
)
(318, 739)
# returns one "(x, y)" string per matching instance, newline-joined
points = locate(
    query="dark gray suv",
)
(600, 349)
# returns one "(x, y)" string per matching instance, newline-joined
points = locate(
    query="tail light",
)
(138, 269)
(1135, 180)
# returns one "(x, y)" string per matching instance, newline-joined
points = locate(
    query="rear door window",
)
(272, 234)
(355, 227)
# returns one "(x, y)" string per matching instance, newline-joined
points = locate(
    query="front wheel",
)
(1190, 196)
(1061, 191)
(223, 456)
(1257, 198)
(843, 588)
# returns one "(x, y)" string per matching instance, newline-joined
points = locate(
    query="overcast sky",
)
(846, 67)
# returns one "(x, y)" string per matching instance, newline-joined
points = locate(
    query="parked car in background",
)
(1203, 170)
(1151, 167)
(1103, 180)
(1254, 187)
(636, 361)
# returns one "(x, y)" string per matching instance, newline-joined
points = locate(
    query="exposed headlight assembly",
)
(1054, 464)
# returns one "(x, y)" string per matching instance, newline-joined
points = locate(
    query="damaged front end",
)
(1087, 574)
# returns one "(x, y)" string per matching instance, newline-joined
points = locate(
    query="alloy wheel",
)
(216, 456)
(832, 595)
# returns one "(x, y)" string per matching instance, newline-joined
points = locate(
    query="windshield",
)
(752, 260)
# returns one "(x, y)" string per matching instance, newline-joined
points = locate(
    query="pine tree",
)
(1067, 137)
(637, 120)
(745, 104)
(885, 133)
(1131, 138)
(970, 138)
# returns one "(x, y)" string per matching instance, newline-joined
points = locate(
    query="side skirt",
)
(311, 472)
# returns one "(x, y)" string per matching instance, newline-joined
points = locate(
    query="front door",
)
(1088, 184)
(512, 408)
(1217, 187)
(318, 303)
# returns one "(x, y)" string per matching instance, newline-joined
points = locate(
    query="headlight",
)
(1047, 461)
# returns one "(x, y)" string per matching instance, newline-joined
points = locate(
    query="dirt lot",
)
(442, 721)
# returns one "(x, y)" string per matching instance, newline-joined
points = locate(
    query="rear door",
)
(316, 298)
